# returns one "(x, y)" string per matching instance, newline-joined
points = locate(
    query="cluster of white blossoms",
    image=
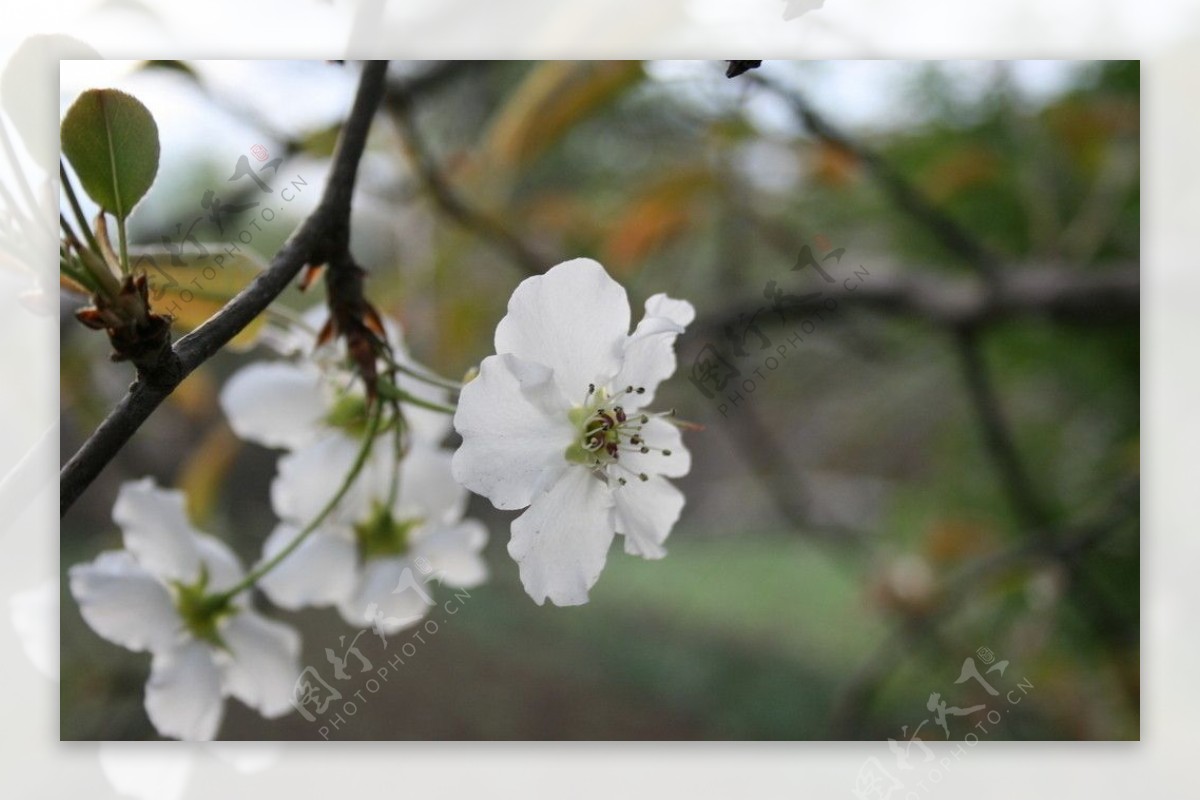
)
(398, 525)
(370, 504)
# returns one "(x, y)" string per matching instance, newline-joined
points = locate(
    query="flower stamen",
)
(606, 430)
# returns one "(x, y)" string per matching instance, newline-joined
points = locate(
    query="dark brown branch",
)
(790, 495)
(1001, 444)
(952, 236)
(737, 68)
(325, 229)
(490, 229)
(1069, 296)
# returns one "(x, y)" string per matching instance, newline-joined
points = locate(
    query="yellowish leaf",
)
(194, 286)
(960, 169)
(196, 396)
(655, 215)
(554, 97)
(206, 467)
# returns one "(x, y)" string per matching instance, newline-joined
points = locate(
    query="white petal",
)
(679, 312)
(124, 603)
(296, 339)
(561, 541)
(263, 662)
(309, 477)
(276, 404)
(574, 320)
(660, 434)
(391, 595)
(649, 356)
(156, 530)
(646, 512)
(35, 618)
(220, 563)
(427, 487)
(515, 431)
(453, 553)
(183, 695)
(425, 425)
(321, 572)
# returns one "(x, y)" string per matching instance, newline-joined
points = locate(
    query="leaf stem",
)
(441, 383)
(79, 276)
(69, 191)
(92, 262)
(253, 576)
(395, 393)
(123, 244)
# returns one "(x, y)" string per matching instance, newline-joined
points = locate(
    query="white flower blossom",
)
(373, 556)
(398, 526)
(558, 421)
(157, 595)
(314, 401)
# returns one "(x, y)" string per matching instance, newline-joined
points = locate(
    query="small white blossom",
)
(558, 421)
(374, 555)
(312, 400)
(156, 595)
(399, 524)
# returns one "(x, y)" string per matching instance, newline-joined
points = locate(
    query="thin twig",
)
(790, 495)
(954, 237)
(328, 221)
(487, 227)
(1001, 444)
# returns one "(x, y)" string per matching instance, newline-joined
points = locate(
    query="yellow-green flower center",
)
(349, 413)
(382, 535)
(605, 431)
(201, 611)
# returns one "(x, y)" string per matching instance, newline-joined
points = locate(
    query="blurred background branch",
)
(1069, 296)
(907, 198)
(401, 100)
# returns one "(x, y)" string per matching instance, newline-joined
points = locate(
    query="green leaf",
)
(111, 140)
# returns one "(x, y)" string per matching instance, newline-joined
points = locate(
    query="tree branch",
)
(955, 238)
(788, 492)
(490, 229)
(1001, 444)
(1070, 296)
(324, 231)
